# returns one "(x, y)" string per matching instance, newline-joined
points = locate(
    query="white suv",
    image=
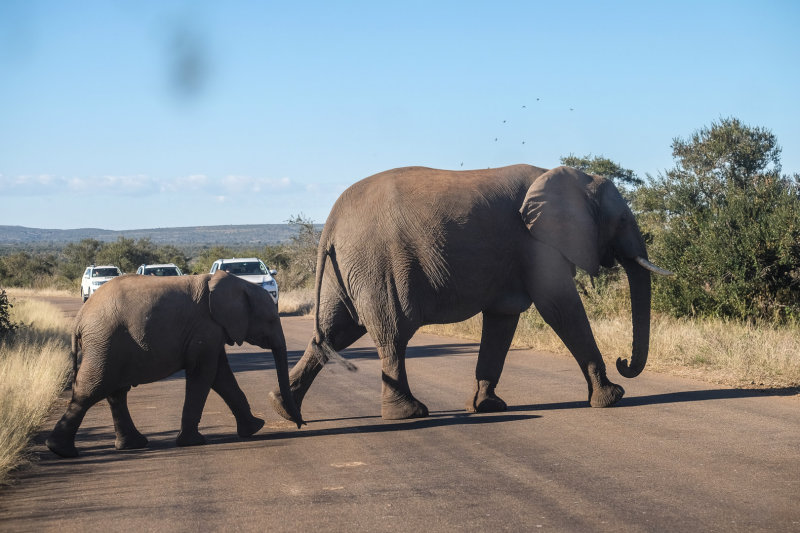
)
(250, 269)
(94, 276)
(168, 269)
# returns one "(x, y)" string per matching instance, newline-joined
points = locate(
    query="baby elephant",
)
(139, 329)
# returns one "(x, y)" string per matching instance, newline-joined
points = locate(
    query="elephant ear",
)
(559, 211)
(229, 305)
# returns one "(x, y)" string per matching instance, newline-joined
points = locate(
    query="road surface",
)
(675, 455)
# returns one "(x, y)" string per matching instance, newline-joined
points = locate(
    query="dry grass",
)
(296, 302)
(34, 368)
(20, 292)
(718, 351)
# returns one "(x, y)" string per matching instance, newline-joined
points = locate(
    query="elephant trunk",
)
(639, 283)
(282, 367)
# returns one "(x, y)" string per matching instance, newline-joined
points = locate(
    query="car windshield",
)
(161, 271)
(104, 272)
(244, 268)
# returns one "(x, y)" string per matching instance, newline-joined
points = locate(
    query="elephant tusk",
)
(653, 268)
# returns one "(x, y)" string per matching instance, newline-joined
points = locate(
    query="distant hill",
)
(246, 235)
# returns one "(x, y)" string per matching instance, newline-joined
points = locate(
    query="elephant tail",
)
(324, 252)
(75, 348)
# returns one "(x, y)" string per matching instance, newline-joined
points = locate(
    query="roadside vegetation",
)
(34, 369)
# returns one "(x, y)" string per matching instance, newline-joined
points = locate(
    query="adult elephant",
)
(139, 329)
(415, 246)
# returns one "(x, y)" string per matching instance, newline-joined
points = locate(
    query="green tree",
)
(201, 264)
(6, 325)
(128, 254)
(27, 270)
(300, 254)
(79, 255)
(727, 223)
(169, 253)
(624, 178)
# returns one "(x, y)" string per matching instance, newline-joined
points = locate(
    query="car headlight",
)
(269, 284)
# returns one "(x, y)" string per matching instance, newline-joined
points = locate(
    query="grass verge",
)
(297, 302)
(34, 369)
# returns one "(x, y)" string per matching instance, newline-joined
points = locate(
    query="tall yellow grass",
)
(296, 302)
(34, 368)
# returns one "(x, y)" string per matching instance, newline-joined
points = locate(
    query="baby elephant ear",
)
(229, 305)
(559, 212)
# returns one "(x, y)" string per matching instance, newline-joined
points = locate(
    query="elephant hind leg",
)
(62, 439)
(397, 402)
(498, 332)
(339, 331)
(128, 437)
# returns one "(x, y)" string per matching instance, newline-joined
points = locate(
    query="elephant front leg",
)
(575, 332)
(128, 437)
(397, 402)
(498, 331)
(555, 297)
(197, 387)
(226, 386)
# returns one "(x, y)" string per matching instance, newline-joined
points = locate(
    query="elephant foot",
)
(248, 426)
(61, 448)
(484, 400)
(401, 408)
(131, 442)
(190, 438)
(276, 400)
(606, 396)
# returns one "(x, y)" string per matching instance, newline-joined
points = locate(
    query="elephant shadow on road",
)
(669, 397)
(99, 441)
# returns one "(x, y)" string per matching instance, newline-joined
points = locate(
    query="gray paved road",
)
(676, 455)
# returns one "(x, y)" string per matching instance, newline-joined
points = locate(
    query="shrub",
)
(728, 224)
(6, 325)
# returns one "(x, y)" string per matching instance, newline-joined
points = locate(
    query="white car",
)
(95, 276)
(250, 269)
(167, 269)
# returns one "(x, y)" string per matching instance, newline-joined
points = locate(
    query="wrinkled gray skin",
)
(139, 329)
(415, 246)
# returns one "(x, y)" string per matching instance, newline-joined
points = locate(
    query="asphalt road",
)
(675, 455)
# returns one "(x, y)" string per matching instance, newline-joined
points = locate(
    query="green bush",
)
(6, 325)
(728, 224)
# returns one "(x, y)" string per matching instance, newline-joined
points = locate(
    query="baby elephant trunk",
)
(282, 367)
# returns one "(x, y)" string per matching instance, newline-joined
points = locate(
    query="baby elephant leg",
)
(128, 437)
(227, 387)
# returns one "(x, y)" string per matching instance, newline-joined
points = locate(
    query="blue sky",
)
(127, 114)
